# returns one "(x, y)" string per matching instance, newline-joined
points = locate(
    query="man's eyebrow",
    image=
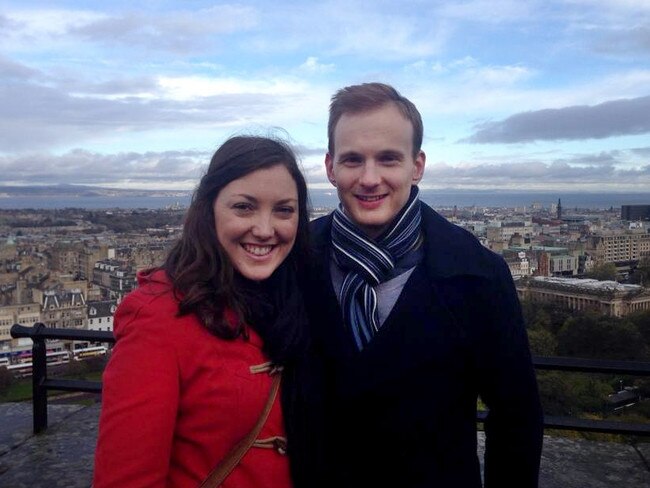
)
(391, 152)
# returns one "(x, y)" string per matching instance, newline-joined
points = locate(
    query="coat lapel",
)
(323, 305)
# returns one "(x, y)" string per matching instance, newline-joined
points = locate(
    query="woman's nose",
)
(262, 227)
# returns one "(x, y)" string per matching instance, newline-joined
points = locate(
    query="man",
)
(414, 320)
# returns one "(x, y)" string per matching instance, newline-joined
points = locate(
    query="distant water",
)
(42, 202)
(447, 198)
(326, 198)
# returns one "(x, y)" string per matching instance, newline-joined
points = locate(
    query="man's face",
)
(373, 167)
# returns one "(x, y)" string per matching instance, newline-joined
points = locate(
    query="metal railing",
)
(39, 333)
(41, 383)
(632, 368)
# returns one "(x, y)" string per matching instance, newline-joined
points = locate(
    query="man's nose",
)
(370, 174)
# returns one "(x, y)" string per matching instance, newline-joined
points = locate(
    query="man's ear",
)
(329, 167)
(418, 170)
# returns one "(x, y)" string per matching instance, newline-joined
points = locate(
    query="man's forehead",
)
(382, 128)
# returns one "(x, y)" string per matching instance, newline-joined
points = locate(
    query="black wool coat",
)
(402, 412)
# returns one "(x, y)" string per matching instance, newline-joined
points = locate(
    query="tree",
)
(641, 321)
(596, 336)
(542, 342)
(544, 315)
(571, 393)
(641, 274)
(603, 272)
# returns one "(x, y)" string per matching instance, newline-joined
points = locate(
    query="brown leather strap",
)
(223, 469)
(276, 442)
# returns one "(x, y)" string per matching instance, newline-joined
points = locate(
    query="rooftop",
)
(589, 284)
(63, 455)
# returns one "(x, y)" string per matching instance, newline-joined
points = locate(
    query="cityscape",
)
(70, 268)
(581, 274)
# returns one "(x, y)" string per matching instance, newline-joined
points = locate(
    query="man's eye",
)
(350, 160)
(389, 159)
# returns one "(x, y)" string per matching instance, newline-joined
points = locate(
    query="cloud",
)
(379, 30)
(597, 172)
(15, 71)
(604, 158)
(38, 116)
(625, 7)
(619, 28)
(180, 169)
(499, 75)
(143, 87)
(305, 151)
(41, 23)
(178, 31)
(171, 169)
(7, 24)
(374, 30)
(624, 40)
(489, 11)
(641, 151)
(469, 71)
(608, 119)
(312, 66)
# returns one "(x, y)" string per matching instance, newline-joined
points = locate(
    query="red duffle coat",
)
(176, 399)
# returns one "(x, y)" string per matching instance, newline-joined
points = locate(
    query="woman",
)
(179, 391)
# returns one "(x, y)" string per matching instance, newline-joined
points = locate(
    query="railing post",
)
(39, 375)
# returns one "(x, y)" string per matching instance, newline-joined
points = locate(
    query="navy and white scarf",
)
(369, 262)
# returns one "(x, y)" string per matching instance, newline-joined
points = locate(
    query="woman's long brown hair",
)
(201, 272)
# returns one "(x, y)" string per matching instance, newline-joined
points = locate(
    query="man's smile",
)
(371, 198)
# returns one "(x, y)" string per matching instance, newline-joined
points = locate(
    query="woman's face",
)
(256, 220)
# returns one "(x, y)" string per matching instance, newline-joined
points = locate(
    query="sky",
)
(520, 95)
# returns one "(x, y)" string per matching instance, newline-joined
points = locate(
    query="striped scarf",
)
(369, 262)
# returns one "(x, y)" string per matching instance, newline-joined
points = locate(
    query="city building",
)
(618, 247)
(114, 279)
(605, 297)
(563, 265)
(519, 264)
(65, 257)
(543, 260)
(63, 308)
(100, 315)
(504, 230)
(26, 314)
(635, 212)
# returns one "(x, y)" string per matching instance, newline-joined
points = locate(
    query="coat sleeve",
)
(507, 385)
(139, 402)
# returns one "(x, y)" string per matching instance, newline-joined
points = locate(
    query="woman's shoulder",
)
(152, 305)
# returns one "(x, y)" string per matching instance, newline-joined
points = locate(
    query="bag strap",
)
(227, 464)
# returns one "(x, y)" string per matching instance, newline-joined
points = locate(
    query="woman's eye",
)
(242, 206)
(286, 210)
